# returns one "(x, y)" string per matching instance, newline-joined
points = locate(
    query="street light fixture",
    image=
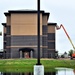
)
(38, 68)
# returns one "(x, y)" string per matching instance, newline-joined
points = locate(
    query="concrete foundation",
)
(38, 70)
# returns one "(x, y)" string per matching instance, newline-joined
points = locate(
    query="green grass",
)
(27, 64)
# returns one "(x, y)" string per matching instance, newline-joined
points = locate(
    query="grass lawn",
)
(27, 64)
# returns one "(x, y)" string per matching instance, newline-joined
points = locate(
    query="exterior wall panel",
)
(25, 40)
(15, 53)
(4, 29)
(44, 20)
(45, 53)
(8, 20)
(7, 53)
(51, 29)
(26, 24)
(51, 53)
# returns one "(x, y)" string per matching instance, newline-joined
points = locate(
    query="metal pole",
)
(38, 30)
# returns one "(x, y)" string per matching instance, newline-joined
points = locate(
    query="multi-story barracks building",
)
(20, 35)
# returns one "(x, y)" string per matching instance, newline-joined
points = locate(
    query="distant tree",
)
(70, 52)
(62, 56)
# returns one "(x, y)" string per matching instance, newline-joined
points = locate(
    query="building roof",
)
(26, 11)
(52, 24)
(4, 24)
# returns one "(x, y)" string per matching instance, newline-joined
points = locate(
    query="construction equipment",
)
(57, 27)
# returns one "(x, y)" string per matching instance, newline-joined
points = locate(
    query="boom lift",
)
(57, 27)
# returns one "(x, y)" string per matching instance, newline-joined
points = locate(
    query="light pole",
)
(38, 68)
(38, 32)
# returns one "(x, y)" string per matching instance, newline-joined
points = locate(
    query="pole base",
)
(38, 64)
(38, 70)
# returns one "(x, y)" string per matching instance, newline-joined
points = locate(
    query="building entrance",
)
(26, 53)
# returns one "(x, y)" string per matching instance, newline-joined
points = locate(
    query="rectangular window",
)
(51, 36)
(8, 30)
(51, 45)
(8, 41)
(44, 41)
(44, 30)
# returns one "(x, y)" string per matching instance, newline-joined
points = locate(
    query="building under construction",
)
(20, 34)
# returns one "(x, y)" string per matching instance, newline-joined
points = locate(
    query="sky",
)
(61, 12)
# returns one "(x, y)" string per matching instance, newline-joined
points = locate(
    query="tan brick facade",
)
(21, 33)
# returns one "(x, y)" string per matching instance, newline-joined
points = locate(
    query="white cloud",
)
(59, 3)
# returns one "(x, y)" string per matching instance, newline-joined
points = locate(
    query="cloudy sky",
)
(61, 12)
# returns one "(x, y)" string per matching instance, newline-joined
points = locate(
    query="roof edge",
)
(25, 11)
(52, 24)
(4, 24)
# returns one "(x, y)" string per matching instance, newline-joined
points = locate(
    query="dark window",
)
(51, 36)
(44, 41)
(8, 30)
(44, 30)
(4, 34)
(51, 45)
(5, 38)
(8, 41)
